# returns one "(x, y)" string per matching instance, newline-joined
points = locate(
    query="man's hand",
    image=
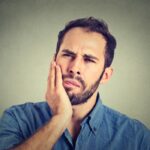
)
(56, 95)
(59, 102)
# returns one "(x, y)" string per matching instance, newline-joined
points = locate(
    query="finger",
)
(52, 76)
(54, 57)
(58, 77)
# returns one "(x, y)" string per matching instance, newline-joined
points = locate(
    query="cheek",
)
(92, 75)
(62, 65)
(94, 72)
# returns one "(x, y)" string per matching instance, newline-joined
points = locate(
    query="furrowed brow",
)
(90, 57)
(68, 52)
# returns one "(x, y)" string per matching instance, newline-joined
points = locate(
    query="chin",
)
(72, 92)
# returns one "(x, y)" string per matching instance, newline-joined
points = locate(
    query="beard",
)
(81, 98)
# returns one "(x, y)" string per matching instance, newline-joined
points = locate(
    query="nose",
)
(75, 66)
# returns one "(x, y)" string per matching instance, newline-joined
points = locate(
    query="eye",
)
(68, 55)
(89, 60)
(65, 54)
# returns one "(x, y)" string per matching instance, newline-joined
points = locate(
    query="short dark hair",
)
(93, 25)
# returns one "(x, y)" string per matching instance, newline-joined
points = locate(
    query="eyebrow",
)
(68, 51)
(90, 56)
(85, 55)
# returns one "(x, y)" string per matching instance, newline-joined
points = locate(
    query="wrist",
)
(63, 117)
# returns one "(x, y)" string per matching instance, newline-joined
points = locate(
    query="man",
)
(73, 117)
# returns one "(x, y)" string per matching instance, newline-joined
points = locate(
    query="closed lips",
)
(71, 82)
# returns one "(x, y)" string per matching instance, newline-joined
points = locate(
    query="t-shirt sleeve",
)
(10, 134)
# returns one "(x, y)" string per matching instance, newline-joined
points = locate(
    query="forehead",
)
(83, 41)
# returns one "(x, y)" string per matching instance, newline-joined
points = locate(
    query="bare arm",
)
(57, 99)
(46, 137)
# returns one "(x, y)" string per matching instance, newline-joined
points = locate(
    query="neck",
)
(82, 110)
(79, 113)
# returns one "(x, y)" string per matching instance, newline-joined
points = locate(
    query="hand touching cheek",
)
(56, 95)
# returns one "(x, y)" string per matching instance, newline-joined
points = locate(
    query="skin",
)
(66, 115)
(83, 43)
(78, 59)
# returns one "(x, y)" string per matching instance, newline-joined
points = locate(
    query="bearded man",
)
(73, 116)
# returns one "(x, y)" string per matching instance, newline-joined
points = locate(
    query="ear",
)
(107, 75)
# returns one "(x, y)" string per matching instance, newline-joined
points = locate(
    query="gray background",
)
(28, 35)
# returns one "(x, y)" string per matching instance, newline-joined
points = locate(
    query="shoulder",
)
(25, 119)
(28, 113)
(117, 120)
(128, 128)
(28, 108)
(19, 122)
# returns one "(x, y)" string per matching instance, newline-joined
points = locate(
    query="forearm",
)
(47, 136)
(59, 103)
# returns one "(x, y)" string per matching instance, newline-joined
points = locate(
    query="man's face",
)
(81, 58)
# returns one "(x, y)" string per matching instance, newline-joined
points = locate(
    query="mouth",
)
(71, 83)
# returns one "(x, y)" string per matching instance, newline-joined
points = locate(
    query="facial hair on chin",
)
(77, 99)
